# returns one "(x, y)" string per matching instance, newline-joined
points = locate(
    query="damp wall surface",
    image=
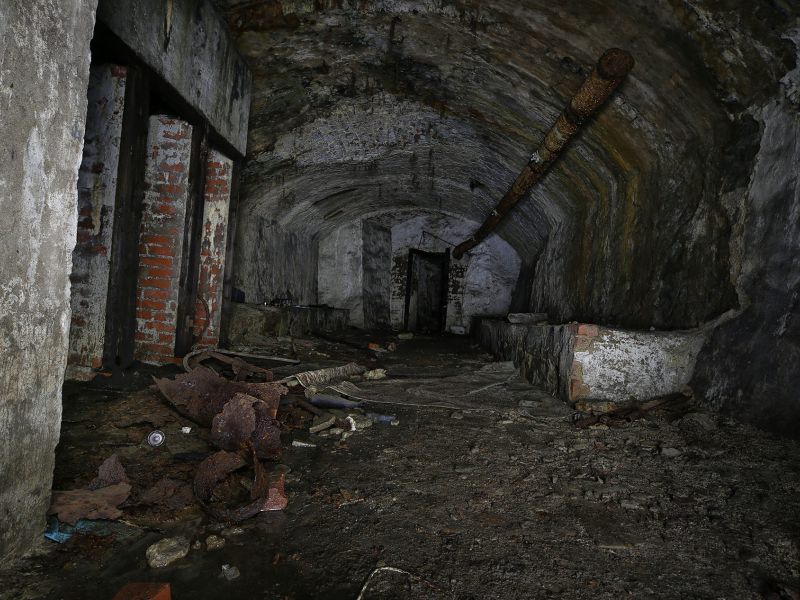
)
(273, 262)
(44, 75)
(186, 43)
(376, 262)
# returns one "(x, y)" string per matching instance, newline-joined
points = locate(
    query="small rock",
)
(697, 420)
(231, 531)
(230, 572)
(167, 551)
(335, 431)
(197, 545)
(405, 336)
(214, 542)
(670, 452)
(457, 415)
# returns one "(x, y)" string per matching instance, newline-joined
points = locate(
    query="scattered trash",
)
(232, 531)
(71, 506)
(61, 532)
(322, 422)
(214, 542)
(391, 346)
(375, 374)
(167, 551)
(156, 438)
(230, 572)
(458, 329)
(186, 430)
(376, 347)
(328, 401)
(109, 473)
(384, 419)
(405, 336)
(308, 378)
(299, 444)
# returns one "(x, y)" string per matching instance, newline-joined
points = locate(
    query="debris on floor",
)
(167, 551)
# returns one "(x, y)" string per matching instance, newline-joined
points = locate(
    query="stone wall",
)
(97, 190)
(162, 237)
(44, 75)
(216, 197)
(749, 367)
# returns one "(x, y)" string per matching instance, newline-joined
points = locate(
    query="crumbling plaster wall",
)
(376, 263)
(44, 75)
(341, 271)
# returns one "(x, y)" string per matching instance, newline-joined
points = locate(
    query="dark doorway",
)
(426, 291)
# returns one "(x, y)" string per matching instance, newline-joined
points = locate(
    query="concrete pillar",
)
(44, 74)
(161, 238)
(216, 202)
(97, 187)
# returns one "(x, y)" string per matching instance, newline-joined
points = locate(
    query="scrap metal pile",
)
(241, 412)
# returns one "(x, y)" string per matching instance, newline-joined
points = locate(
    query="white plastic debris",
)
(186, 430)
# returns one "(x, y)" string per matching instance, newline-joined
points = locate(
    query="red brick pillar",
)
(161, 238)
(216, 197)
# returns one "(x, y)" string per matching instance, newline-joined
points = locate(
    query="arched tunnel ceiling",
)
(360, 107)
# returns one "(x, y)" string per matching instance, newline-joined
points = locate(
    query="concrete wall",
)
(253, 324)
(97, 189)
(187, 44)
(377, 264)
(481, 283)
(44, 75)
(341, 271)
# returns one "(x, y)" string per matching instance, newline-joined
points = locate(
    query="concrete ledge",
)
(251, 323)
(583, 362)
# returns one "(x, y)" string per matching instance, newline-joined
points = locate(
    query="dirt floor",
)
(484, 489)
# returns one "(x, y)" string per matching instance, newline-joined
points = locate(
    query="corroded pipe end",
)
(615, 64)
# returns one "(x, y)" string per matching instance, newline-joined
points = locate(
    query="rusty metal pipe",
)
(608, 74)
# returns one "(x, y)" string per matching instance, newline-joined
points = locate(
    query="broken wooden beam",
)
(608, 74)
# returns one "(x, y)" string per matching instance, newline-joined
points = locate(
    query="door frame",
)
(444, 257)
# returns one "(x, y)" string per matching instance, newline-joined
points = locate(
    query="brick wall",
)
(161, 237)
(208, 311)
(97, 187)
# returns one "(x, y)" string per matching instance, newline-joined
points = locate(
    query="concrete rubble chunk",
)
(167, 551)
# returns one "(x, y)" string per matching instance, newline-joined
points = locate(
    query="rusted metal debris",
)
(110, 472)
(608, 74)
(266, 494)
(245, 421)
(202, 394)
(74, 505)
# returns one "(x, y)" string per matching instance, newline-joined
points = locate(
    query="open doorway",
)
(426, 291)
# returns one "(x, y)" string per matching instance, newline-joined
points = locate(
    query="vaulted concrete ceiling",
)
(363, 107)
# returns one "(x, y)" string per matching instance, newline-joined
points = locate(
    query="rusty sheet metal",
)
(201, 394)
(608, 74)
(74, 505)
(244, 421)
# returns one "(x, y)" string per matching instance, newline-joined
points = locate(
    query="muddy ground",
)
(475, 494)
